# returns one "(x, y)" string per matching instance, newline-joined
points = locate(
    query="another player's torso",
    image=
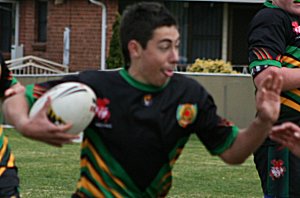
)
(290, 100)
(279, 46)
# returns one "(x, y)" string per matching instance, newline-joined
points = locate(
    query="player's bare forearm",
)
(247, 141)
(15, 110)
(268, 107)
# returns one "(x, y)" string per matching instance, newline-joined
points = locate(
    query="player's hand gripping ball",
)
(71, 102)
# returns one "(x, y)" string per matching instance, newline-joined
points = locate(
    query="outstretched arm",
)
(268, 107)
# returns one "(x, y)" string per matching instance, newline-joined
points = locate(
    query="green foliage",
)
(211, 66)
(115, 58)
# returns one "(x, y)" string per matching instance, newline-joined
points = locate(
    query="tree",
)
(115, 58)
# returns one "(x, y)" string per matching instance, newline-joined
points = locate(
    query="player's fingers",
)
(43, 111)
(267, 83)
(47, 104)
(58, 138)
(291, 127)
(286, 134)
(9, 92)
(286, 126)
(65, 138)
(278, 83)
(61, 128)
(15, 89)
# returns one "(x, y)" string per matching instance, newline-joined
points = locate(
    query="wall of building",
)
(84, 20)
(233, 95)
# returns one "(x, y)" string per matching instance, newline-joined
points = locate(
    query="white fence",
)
(32, 65)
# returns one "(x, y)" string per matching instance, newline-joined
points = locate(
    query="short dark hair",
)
(139, 22)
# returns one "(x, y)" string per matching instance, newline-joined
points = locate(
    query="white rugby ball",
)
(71, 102)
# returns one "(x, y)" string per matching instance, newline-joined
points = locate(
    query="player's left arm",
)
(268, 108)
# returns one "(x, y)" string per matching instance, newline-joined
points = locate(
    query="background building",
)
(78, 32)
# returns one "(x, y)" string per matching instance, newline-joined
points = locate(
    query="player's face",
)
(291, 6)
(156, 63)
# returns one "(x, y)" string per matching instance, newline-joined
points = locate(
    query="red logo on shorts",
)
(277, 170)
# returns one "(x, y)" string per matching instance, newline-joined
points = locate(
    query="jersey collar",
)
(141, 86)
(269, 4)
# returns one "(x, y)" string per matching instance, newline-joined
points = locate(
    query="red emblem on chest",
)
(296, 27)
(102, 110)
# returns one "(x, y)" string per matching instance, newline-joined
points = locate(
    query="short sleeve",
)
(269, 34)
(216, 133)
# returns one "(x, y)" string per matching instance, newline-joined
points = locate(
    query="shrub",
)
(115, 58)
(211, 66)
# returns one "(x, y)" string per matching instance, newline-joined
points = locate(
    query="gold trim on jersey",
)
(99, 179)
(11, 160)
(295, 91)
(4, 148)
(2, 169)
(290, 103)
(91, 188)
(102, 163)
(11, 163)
(291, 61)
(178, 152)
(85, 183)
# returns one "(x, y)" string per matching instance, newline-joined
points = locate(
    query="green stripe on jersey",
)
(295, 51)
(163, 180)
(294, 97)
(264, 62)
(115, 168)
(229, 141)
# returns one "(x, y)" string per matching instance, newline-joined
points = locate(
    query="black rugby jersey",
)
(274, 39)
(129, 150)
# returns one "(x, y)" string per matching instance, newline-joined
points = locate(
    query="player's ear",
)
(134, 48)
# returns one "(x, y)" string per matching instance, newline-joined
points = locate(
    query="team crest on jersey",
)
(102, 112)
(277, 169)
(186, 114)
(296, 27)
(147, 100)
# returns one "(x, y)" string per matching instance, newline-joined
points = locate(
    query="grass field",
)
(50, 172)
